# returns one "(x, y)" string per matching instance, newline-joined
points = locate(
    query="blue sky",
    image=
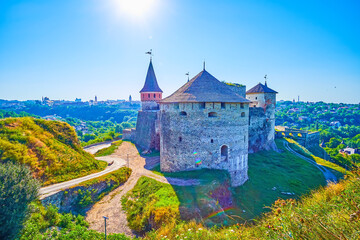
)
(78, 49)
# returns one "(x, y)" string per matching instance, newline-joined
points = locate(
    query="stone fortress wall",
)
(261, 119)
(147, 130)
(205, 135)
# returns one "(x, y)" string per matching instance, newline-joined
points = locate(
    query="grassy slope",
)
(109, 150)
(336, 169)
(150, 203)
(267, 170)
(328, 213)
(51, 149)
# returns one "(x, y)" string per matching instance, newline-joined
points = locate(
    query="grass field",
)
(214, 202)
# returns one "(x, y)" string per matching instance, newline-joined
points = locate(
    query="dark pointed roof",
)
(204, 88)
(260, 88)
(151, 84)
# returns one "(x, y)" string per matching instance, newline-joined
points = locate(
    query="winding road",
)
(117, 163)
(329, 176)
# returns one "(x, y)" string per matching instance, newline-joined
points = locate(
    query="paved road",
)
(117, 163)
(96, 148)
(329, 176)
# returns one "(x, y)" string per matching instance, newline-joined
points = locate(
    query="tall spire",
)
(151, 84)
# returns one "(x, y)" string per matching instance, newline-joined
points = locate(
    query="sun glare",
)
(138, 9)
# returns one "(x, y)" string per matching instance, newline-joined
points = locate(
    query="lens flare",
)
(220, 212)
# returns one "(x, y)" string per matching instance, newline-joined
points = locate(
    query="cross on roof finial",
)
(150, 53)
(204, 65)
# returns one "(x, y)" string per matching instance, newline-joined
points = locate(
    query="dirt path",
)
(329, 176)
(110, 205)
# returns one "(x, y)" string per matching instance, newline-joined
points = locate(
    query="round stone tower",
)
(204, 124)
(262, 117)
(151, 93)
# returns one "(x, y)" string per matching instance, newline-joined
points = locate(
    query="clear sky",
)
(81, 48)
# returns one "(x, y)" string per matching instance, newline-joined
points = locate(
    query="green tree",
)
(17, 189)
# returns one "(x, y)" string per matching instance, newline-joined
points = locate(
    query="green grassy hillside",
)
(272, 175)
(50, 148)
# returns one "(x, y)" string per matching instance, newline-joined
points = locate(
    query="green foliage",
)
(50, 148)
(67, 226)
(150, 204)
(88, 195)
(109, 150)
(85, 198)
(17, 190)
(337, 170)
(331, 212)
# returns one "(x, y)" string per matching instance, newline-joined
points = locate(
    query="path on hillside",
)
(117, 163)
(93, 149)
(329, 176)
(110, 205)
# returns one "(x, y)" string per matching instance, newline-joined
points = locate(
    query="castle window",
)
(149, 95)
(224, 153)
(159, 95)
(180, 139)
(241, 105)
(243, 114)
(212, 141)
(223, 105)
(176, 105)
(183, 113)
(212, 114)
(256, 98)
(154, 95)
(202, 105)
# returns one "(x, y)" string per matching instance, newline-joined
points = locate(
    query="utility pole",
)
(105, 225)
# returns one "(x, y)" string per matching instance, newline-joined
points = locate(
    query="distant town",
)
(16, 104)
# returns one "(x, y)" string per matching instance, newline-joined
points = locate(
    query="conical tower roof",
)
(204, 88)
(151, 84)
(260, 88)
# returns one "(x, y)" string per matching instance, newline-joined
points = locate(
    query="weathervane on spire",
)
(265, 79)
(150, 53)
(187, 74)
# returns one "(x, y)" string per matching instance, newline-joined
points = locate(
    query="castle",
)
(205, 124)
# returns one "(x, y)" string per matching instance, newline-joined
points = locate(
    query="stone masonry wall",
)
(147, 134)
(241, 90)
(191, 139)
(262, 123)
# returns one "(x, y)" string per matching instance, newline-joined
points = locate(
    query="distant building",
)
(130, 98)
(335, 124)
(350, 151)
(78, 100)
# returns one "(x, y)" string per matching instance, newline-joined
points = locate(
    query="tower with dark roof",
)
(151, 93)
(204, 124)
(262, 117)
